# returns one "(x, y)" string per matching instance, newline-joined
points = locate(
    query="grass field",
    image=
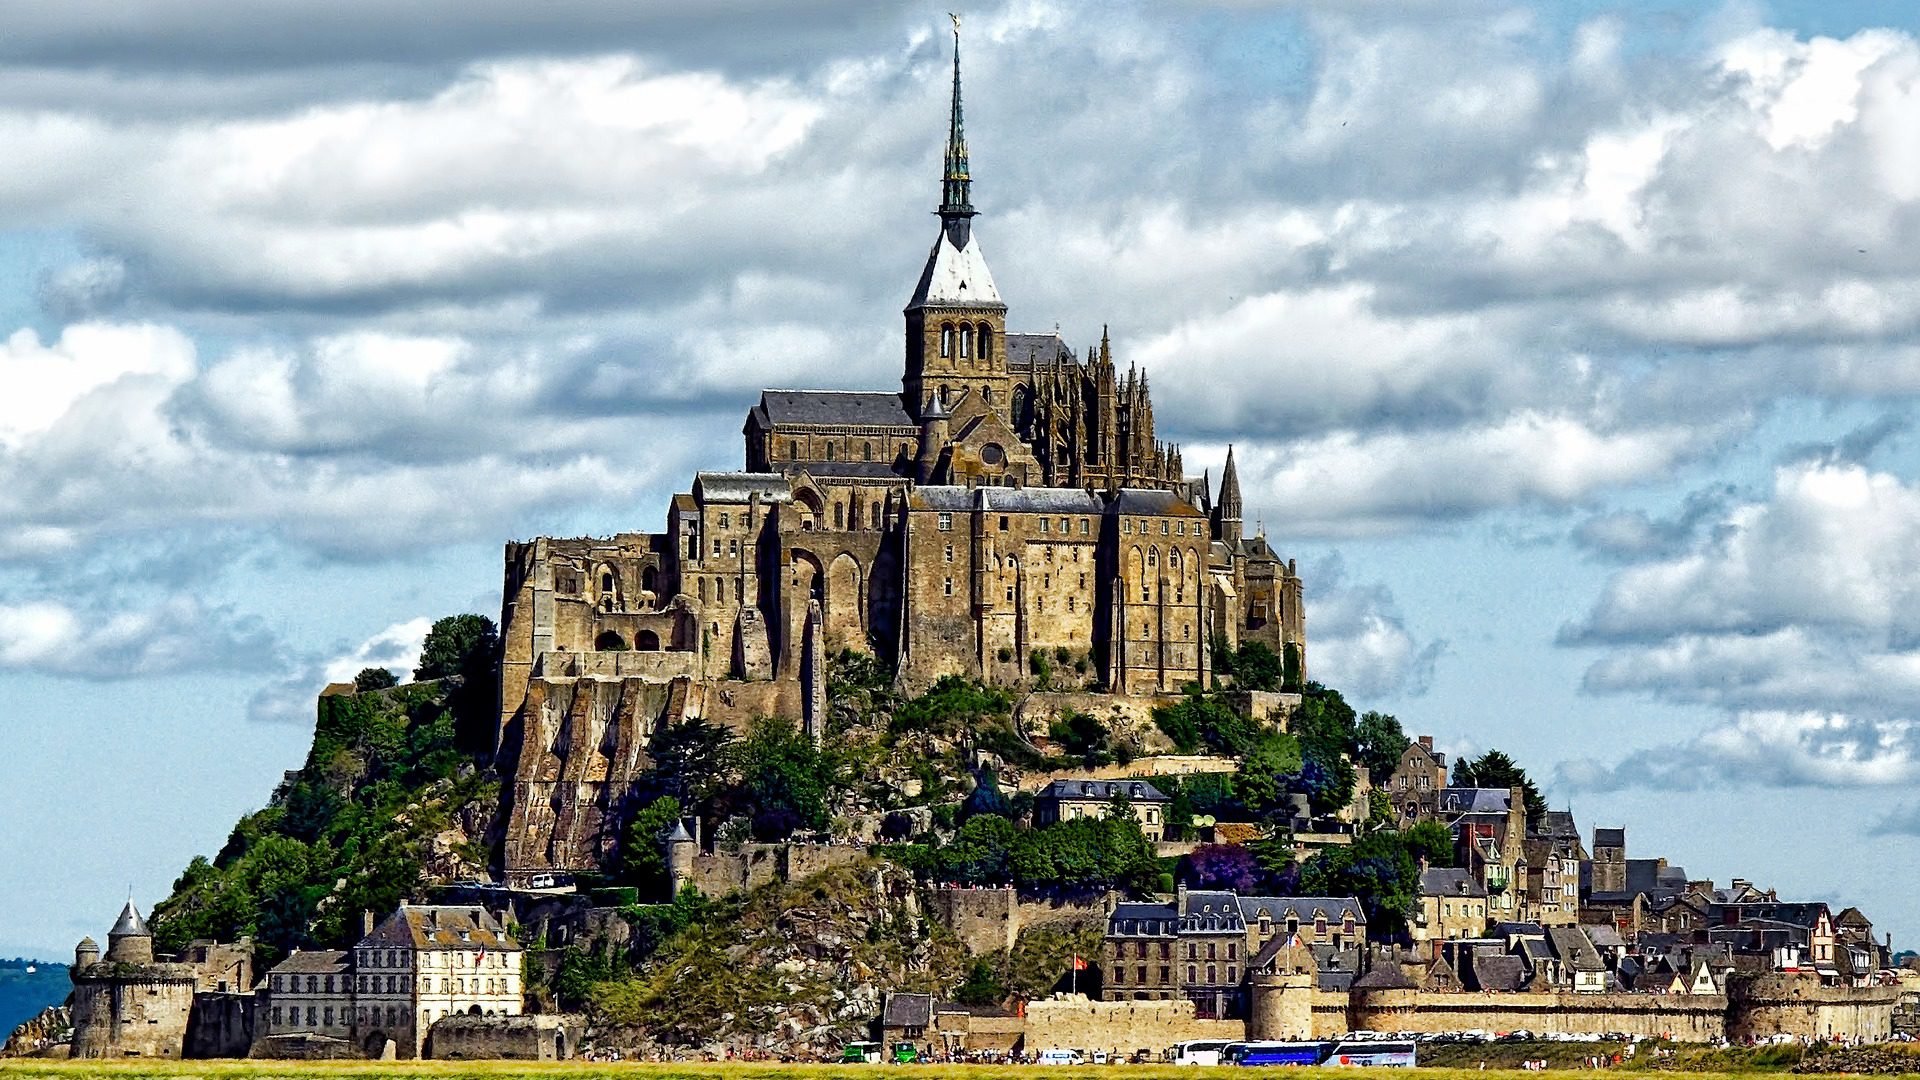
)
(506, 1070)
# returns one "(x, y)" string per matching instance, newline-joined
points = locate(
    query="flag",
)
(1079, 964)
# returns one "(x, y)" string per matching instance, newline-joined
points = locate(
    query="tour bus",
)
(1273, 1053)
(1386, 1053)
(860, 1053)
(1197, 1052)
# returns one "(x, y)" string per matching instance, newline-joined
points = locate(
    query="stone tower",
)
(130, 942)
(956, 323)
(934, 431)
(1281, 1004)
(681, 848)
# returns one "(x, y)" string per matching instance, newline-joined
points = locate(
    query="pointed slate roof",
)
(130, 924)
(955, 276)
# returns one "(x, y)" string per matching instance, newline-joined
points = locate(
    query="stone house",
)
(1139, 947)
(1609, 873)
(425, 962)
(1064, 800)
(1199, 945)
(311, 993)
(1553, 856)
(1336, 921)
(129, 1003)
(1415, 785)
(1453, 906)
(1489, 833)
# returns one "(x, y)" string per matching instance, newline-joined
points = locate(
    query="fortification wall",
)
(754, 865)
(1138, 768)
(1683, 1017)
(132, 1010)
(505, 1038)
(1763, 1006)
(990, 920)
(1072, 1021)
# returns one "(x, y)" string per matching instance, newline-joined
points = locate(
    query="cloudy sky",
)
(1572, 347)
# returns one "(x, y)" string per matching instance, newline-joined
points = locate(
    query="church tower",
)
(956, 324)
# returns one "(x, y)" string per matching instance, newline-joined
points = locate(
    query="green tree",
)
(643, 854)
(981, 852)
(1378, 869)
(1432, 841)
(457, 645)
(1081, 735)
(1256, 667)
(374, 678)
(1379, 742)
(1494, 769)
(983, 986)
(1267, 773)
(690, 762)
(784, 779)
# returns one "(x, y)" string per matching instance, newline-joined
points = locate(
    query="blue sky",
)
(1570, 347)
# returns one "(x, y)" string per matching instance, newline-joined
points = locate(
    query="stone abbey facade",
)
(1009, 509)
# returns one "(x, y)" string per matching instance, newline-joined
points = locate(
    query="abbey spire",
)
(1227, 511)
(956, 186)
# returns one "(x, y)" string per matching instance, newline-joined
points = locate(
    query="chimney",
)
(366, 921)
(1426, 742)
(1180, 897)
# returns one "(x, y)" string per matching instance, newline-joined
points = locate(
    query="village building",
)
(1065, 800)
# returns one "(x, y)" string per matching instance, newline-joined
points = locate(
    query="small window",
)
(949, 552)
(946, 522)
(946, 341)
(949, 586)
(726, 519)
(1043, 525)
(793, 449)
(966, 341)
(1003, 523)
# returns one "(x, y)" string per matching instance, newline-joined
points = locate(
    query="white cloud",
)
(290, 697)
(1361, 644)
(1771, 747)
(107, 641)
(43, 381)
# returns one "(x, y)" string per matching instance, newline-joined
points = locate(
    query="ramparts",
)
(1072, 1021)
(1763, 1006)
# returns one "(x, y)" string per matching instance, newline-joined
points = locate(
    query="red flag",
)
(1079, 964)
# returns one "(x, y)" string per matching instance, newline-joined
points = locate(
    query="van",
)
(1059, 1057)
(541, 881)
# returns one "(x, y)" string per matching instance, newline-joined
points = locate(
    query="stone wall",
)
(990, 920)
(1139, 768)
(1686, 1018)
(754, 865)
(1793, 1004)
(505, 1038)
(221, 1026)
(1073, 1022)
(132, 1010)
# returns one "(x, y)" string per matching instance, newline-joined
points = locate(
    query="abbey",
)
(1009, 510)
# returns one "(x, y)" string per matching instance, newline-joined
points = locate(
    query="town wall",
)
(1072, 1021)
(1144, 768)
(505, 1038)
(754, 865)
(1795, 1004)
(1682, 1017)
(990, 920)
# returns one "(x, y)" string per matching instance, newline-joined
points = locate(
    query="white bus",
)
(1197, 1052)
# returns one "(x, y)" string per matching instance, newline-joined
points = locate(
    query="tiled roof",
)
(1610, 838)
(1134, 919)
(1031, 350)
(1384, 975)
(1498, 971)
(1305, 908)
(1474, 800)
(955, 275)
(1045, 500)
(1147, 501)
(130, 924)
(312, 962)
(1209, 911)
(908, 1010)
(433, 926)
(1450, 881)
(738, 487)
(833, 408)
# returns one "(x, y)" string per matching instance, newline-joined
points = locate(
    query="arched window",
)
(839, 515)
(646, 641)
(946, 339)
(606, 582)
(966, 341)
(829, 451)
(986, 341)
(609, 641)
(649, 580)
(866, 450)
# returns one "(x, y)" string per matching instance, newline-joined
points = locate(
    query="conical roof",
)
(679, 835)
(1384, 975)
(130, 924)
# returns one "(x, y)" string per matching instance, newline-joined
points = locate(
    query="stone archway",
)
(844, 608)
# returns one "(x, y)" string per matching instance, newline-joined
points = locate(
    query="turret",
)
(130, 942)
(935, 424)
(85, 955)
(681, 848)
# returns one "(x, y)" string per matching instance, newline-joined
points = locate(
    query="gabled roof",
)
(1575, 949)
(955, 276)
(1147, 501)
(1211, 911)
(908, 1010)
(1102, 790)
(1474, 800)
(739, 487)
(1557, 825)
(1450, 881)
(1042, 500)
(853, 408)
(1305, 908)
(436, 926)
(1498, 971)
(1137, 919)
(1036, 350)
(1384, 975)
(312, 962)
